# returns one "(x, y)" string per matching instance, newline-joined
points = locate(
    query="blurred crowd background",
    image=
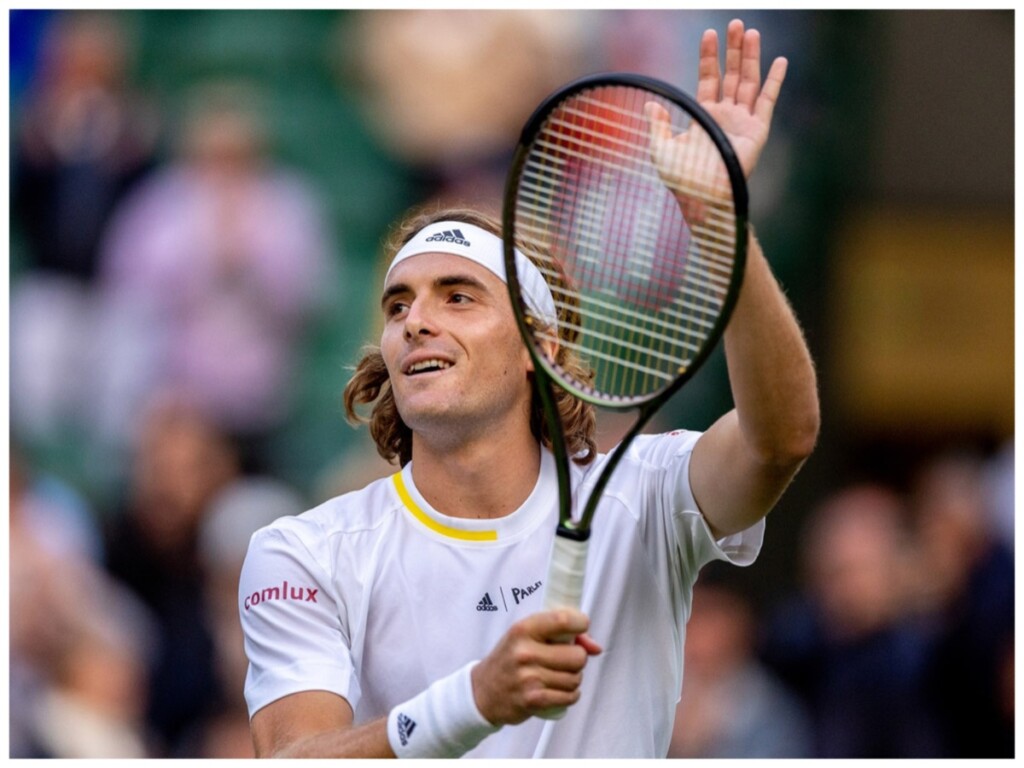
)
(197, 204)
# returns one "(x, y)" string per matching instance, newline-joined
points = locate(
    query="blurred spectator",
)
(237, 512)
(731, 705)
(212, 271)
(1000, 486)
(94, 706)
(848, 645)
(78, 648)
(449, 91)
(81, 140)
(181, 463)
(968, 587)
(54, 514)
(648, 41)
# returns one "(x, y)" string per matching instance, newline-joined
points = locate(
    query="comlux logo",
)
(283, 592)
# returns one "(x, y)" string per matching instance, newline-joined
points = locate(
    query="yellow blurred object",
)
(922, 321)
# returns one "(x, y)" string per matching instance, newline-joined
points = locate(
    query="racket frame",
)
(546, 374)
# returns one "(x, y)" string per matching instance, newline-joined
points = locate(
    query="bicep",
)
(284, 725)
(733, 487)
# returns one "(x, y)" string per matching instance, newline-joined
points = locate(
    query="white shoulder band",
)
(479, 245)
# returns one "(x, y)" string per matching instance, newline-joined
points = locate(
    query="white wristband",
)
(443, 721)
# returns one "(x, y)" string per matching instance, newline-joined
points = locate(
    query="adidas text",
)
(449, 236)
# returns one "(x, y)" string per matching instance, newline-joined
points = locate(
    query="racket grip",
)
(564, 588)
(565, 575)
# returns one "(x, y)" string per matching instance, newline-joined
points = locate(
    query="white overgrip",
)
(564, 589)
(565, 574)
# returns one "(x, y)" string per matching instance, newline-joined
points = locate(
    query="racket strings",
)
(710, 192)
(639, 272)
(721, 229)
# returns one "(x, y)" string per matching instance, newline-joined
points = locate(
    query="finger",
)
(588, 644)
(557, 657)
(750, 70)
(733, 56)
(658, 117)
(540, 700)
(766, 100)
(709, 74)
(562, 681)
(549, 625)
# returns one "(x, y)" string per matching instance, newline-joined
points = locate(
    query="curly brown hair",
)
(370, 381)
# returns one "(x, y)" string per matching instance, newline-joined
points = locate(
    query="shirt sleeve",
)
(739, 549)
(296, 638)
(666, 462)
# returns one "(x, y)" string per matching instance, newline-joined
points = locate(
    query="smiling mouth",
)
(426, 366)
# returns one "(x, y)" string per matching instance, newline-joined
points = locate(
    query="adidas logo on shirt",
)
(486, 604)
(449, 236)
(405, 728)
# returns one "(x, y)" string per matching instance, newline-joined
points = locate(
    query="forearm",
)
(743, 463)
(366, 741)
(771, 373)
(442, 721)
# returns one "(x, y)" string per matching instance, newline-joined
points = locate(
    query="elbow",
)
(788, 450)
(800, 443)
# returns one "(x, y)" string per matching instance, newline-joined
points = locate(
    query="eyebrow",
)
(445, 281)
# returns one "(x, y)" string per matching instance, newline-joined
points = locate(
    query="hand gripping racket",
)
(632, 203)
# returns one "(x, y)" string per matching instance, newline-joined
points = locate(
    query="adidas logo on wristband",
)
(405, 728)
(445, 717)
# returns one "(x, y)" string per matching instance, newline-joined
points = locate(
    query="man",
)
(405, 619)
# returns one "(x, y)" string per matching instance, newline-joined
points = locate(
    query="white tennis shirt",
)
(374, 595)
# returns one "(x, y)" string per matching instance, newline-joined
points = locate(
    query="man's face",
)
(454, 354)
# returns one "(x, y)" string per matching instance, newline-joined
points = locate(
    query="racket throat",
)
(570, 531)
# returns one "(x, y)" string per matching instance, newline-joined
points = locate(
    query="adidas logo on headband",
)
(488, 251)
(449, 236)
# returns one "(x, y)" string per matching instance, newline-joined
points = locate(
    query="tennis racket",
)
(631, 202)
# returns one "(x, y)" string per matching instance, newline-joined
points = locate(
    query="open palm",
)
(738, 102)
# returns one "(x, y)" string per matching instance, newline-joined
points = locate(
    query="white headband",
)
(479, 245)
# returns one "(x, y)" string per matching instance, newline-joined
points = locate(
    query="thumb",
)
(658, 117)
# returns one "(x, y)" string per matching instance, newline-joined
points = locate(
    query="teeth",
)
(426, 365)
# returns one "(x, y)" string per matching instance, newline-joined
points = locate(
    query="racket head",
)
(643, 289)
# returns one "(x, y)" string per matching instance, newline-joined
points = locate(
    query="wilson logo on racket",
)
(449, 236)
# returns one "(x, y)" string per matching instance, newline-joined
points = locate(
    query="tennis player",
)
(405, 619)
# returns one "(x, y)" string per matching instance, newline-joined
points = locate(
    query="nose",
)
(418, 321)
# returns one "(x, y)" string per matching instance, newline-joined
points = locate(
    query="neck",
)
(486, 478)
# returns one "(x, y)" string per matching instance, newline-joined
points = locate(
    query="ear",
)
(550, 349)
